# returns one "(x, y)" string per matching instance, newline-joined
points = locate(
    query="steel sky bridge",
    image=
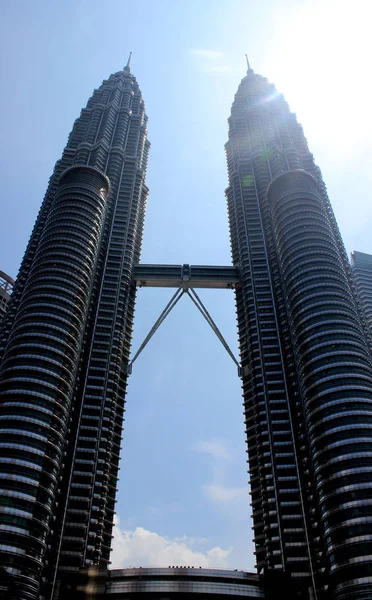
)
(186, 278)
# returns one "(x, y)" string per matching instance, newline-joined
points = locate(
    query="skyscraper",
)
(306, 363)
(6, 286)
(65, 345)
(361, 265)
(307, 379)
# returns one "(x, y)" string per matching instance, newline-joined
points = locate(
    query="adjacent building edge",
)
(6, 287)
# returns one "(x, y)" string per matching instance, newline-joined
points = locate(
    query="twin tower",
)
(305, 348)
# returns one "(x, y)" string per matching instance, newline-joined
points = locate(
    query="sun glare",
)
(322, 65)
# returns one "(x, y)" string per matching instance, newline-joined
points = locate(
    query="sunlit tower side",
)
(282, 514)
(305, 357)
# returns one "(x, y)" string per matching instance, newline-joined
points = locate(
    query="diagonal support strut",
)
(200, 306)
(163, 315)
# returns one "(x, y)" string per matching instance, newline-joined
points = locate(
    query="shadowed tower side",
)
(67, 336)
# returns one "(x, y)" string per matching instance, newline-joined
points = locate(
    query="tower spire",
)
(248, 65)
(127, 66)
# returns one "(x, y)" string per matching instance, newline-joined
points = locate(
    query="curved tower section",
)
(260, 147)
(39, 366)
(333, 365)
(108, 143)
(292, 519)
(111, 133)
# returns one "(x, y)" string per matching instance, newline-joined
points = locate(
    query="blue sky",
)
(183, 494)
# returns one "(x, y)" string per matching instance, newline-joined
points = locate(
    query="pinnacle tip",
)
(127, 66)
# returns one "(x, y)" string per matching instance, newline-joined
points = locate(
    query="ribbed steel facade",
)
(38, 369)
(307, 379)
(65, 344)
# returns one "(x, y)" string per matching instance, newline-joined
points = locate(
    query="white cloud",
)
(147, 548)
(218, 69)
(209, 61)
(203, 53)
(214, 448)
(192, 540)
(161, 511)
(223, 494)
(227, 497)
